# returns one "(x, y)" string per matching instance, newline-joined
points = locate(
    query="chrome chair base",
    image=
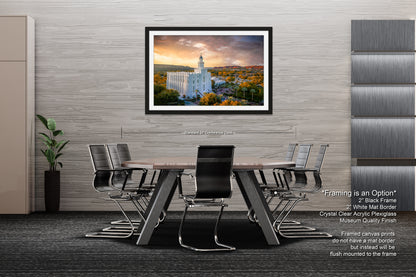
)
(137, 222)
(113, 234)
(223, 247)
(125, 222)
(106, 235)
(296, 228)
(291, 231)
(304, 235)
(252, 218)
(130, 228)
(119, 229)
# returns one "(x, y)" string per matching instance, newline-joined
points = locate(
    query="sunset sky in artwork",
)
(216, 50)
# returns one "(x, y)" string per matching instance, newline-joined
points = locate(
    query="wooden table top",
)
(190, 162)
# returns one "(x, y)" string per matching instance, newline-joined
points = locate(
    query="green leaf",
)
(59, 143)
(47, 138)
(57, 133)
(43, 120)
(62, 146)
(50, 156)
(58, 155)
(46, 143)
(51, 124)
(60, 164)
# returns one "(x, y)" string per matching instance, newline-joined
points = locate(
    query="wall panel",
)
(400, 180)
(383, 138)
(375, 100)
(382, 35)
(383, 68)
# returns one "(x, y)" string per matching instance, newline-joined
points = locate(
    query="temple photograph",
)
(208, 70)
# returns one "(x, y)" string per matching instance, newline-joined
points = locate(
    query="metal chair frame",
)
(278, 184)
(121, 195)
(292, 199)
(114, 151)
(283, 176)
(202, 197)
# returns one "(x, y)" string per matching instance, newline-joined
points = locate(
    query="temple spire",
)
(201, 62)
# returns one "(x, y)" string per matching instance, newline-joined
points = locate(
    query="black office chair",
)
(289, 157)
(213, 183)
(118, 154)
(124, 155)
(283, 176)
(107, 179)
(267, 187)
(297, 194)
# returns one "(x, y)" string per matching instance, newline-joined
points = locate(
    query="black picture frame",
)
(265, 108)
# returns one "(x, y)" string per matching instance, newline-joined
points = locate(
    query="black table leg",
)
(172, 193)
(254, 198)
(161, 195)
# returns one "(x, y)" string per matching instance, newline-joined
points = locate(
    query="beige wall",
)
(90, 78)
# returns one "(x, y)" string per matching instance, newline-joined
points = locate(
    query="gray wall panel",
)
(383, 138)
(383, 100)
(90, 78)
(388, 178)
(382, 35)
(382, 68)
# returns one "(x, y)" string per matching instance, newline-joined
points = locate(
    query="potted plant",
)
(52, 153)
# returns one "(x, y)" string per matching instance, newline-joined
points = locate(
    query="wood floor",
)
(43, 244)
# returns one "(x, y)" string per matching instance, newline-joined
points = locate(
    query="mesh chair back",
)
(113, 154)
(100, 161)
(123, 152)
(320, 157)
(213, 171)
(303, 155)
(99, 157)
(124, 155)
(290, 152)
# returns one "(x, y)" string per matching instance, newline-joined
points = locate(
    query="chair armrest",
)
(109, 170)
(131, 168)
(179, 180)
(281, 168)
(191, 176)
(116, 170)
(187, 173)
(294, 169)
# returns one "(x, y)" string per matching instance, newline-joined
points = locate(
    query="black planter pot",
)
(52, 190)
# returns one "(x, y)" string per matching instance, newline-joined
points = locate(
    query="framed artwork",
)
(210, 70)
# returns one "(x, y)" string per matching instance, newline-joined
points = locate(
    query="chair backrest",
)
(301, 178)
(290, 152)
(113, 154)
(123, 152)
(118, 177)
(99, 159)
(213, 171)
(303, 155)
(320, 157)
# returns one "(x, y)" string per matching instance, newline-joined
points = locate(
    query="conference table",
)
(244, 171)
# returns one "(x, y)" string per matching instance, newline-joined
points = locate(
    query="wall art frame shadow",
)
(208, 70)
